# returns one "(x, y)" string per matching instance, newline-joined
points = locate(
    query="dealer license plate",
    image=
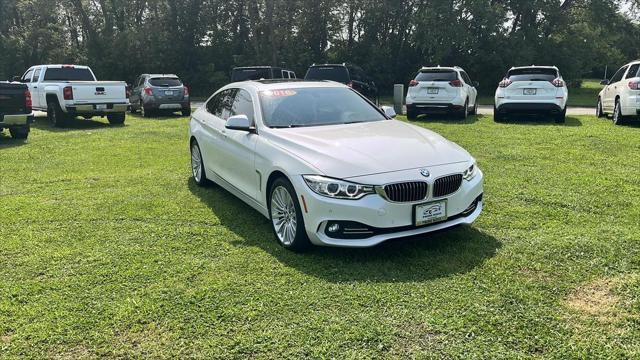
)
(168, 92)
(432, 90)
(430, 213)
(530, 91)
(101, 106)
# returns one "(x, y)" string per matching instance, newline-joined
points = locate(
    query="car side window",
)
(214, 105)
(36, 75)
(618, 76)
(633, 71)
(243, 105)
(27, 77)
(466, 78)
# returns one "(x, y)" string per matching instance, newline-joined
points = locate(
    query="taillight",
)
(127, 91)
(186, 90)
(505, 83)
(413, 83)
(67, 93)
(456, 83)
(558, 82)
(27, 101)
(634, 85)
(148, 90)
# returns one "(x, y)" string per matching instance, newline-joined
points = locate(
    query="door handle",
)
(35, 87)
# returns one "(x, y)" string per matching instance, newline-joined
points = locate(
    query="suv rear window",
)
(68, 74)
(333, 73)
(437, 75)
(250, 74)
(532, 74)
(165, 81)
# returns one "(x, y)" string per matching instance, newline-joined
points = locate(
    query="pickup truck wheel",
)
(116, 119)
(55, 114)
(19, 132)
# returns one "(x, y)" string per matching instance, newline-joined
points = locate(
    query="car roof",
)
(63, 65)
(533, 67)
(256, 67)
(276, 84)
(441, 68)
(161, 75)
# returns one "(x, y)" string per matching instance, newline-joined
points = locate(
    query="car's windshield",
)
(437, 75)
(165, 81)
(333, 73)
(532, 74)
(250, 74)
(68, 74)
(315, 107)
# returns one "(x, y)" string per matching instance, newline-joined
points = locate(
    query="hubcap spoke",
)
(283, 215)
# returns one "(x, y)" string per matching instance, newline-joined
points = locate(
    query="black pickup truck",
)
(15, 109)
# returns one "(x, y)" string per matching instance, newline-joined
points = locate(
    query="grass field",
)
(108, 249)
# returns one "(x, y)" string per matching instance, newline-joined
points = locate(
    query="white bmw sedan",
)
(327, 167)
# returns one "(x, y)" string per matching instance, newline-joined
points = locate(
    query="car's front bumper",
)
(386, 220)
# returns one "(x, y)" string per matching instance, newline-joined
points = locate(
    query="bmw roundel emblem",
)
(425, 172)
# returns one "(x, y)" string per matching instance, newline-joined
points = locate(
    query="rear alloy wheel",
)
(197, 165)
(464, 114)
(56, 116)
(599, 111)
(19, 132)
(286, 216)
(618, 119)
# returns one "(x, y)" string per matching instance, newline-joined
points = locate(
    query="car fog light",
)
(334, 228)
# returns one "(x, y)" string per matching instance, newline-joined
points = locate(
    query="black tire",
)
(186, 112)
(498, 117)
(144, 111)
(412, 115)
(198, 165)
(19, 132)
(300, 240)
(55, 115)
(599, 111)
(474, 111)
(562, 117)
(618, 119)
(464, 113)
(116, 119)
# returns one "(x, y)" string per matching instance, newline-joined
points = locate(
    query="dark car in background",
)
(260, 72)
(348, 74)
(15, 109)
(152, 93)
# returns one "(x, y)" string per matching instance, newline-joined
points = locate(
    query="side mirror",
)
(16, 79)
(389, 111)
(476, 84)
(239, 122)
(604, 82)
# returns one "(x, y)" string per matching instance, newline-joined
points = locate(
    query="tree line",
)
(202, 40)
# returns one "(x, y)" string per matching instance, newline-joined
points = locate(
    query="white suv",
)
(621, 95)
(532, 90)
(442, 89)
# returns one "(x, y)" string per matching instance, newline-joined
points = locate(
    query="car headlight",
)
(338, 189)
(471, 171)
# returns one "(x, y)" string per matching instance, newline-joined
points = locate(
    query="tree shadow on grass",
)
(540, 120)
(447, 119)
(75, 124)
(441, 254)
(7, 142)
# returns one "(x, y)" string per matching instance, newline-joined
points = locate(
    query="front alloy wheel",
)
(286, 216)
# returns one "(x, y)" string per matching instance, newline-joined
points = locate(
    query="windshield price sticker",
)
(279, 93)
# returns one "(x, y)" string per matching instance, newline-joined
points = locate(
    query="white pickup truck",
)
(67, 91)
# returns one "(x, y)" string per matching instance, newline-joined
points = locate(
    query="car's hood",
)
(345, 151)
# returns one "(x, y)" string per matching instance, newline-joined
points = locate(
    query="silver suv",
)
(159, 92)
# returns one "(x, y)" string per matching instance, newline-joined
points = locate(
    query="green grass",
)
(584, 96)
(108, 249)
